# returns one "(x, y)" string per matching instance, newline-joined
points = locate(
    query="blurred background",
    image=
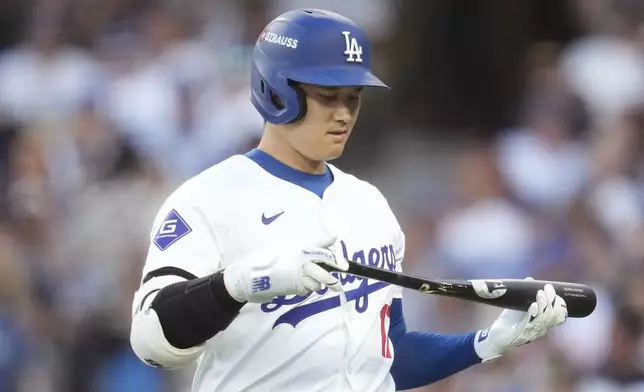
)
(510, 146)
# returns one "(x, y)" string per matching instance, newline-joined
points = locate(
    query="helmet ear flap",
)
(301, 100)
(276, 99)
(279, 104)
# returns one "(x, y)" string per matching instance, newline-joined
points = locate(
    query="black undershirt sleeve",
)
(195, 310)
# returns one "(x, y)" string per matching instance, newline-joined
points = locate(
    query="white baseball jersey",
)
(238, 210)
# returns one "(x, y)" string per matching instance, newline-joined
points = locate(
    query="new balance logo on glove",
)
(262, 283)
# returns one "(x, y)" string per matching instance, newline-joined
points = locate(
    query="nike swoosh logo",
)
(269, 220)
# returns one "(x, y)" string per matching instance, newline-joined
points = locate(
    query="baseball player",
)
(233, 276)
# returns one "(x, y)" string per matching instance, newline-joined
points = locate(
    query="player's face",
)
(330, 115)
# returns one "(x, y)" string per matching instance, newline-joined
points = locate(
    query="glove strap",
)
(484, 347)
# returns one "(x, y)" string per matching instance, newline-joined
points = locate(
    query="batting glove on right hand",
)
(289, 273)
(515, 328)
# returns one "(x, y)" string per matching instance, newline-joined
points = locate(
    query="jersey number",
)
(385, 319)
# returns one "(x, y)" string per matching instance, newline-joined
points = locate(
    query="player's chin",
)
(334, 151)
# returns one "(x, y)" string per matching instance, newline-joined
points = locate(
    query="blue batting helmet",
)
(306, 46)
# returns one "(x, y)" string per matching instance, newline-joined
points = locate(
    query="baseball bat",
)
(515, 294)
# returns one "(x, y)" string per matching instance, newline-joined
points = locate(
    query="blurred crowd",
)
(558, 196)
(106, 106)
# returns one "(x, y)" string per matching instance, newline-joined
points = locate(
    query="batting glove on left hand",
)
(515, 328)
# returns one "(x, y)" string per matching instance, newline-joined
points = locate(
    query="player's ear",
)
(276, 101)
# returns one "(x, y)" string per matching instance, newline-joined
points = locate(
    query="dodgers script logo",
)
(383, 257)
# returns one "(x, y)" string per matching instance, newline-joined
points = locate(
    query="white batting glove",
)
(515, 328)
(289, 273)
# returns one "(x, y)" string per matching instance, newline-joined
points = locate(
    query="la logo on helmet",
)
(353, 50)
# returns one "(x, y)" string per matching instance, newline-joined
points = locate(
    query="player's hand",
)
(293, 272)
(515, 328)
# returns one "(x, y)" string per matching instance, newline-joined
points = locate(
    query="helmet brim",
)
(338, 76)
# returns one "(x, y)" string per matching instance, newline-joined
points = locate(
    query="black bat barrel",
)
(518, 294)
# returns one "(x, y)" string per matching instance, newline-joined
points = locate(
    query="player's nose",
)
(342, 114)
